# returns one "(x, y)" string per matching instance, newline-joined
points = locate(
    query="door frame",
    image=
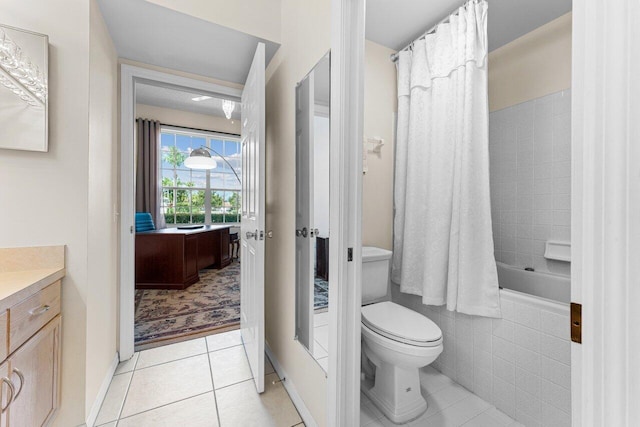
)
(345, 217)
(605, 211)
(130, 75)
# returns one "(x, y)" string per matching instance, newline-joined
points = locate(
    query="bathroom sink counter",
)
(16, 286)
(26, 271)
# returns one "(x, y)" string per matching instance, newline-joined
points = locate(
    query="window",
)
(191, 196)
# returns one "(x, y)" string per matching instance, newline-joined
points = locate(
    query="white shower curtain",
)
(443, 242)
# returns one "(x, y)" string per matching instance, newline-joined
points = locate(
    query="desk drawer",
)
(28, 316)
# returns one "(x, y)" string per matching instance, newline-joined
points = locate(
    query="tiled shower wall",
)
(530, 164)
(520, 363)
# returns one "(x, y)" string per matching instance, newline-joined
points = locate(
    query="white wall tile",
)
(448, 324)
(527, 337)
(503, 328)
(555, 324)
(555, 348)
(482, 361)
(483, 384)
(482, 325)
(555, 395)
(528, 404)
(552, 416)
(482, 342)
(530, 159)
(556, 372)
(526, 420)
(504, 370)
(541, 232)
(527, 359)
(527, 315)
(504, 395)
(527, 382)
(503, 349)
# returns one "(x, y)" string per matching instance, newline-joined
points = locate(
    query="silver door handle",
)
(19, 374)
(252, 235)
(12, 392)
(302, 232)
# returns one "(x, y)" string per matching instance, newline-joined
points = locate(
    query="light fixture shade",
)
(200, 159)
(228, 107)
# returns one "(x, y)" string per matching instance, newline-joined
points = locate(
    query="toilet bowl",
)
(397, 342)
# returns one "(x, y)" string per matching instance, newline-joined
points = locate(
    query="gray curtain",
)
(147, 170)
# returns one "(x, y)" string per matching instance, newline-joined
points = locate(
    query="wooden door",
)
(253, 216)
(34, 370)
(7, 391)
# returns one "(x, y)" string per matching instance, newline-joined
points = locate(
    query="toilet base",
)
(396, 392)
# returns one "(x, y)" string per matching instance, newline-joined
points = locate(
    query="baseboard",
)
(291, 389)
(102, 392)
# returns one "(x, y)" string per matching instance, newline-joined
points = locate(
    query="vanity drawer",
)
(28, 316)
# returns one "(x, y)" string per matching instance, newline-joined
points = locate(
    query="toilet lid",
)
(397, 322)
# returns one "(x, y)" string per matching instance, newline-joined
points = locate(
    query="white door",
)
(305, 241)
(253, 215)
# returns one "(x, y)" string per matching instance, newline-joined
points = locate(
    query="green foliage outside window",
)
(184, 204)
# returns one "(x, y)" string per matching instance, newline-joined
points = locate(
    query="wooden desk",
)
(170, 258)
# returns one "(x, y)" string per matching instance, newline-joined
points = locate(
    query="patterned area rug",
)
(210, 304)
(320, 293)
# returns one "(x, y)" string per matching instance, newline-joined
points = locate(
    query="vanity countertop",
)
(25, 271)
(16, 286)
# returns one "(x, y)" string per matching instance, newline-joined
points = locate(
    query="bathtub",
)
(543, 285)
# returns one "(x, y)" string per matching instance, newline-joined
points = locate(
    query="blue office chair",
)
(144, 222)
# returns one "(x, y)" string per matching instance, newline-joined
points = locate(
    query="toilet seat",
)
(401, 324)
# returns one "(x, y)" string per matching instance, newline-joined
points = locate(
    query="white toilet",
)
(397, 342)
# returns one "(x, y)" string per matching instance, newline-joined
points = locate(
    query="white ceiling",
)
(508, 19)
(152, 34)
(181, 100)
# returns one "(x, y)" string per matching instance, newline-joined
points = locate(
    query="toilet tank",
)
(375, 273)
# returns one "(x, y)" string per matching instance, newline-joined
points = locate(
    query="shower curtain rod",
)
(394, 56)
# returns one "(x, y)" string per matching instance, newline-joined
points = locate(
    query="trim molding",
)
(306, 416)
(347, 93)
(606, 211)
(102, 392)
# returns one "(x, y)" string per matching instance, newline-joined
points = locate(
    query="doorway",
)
(208, 301)
(203, 203)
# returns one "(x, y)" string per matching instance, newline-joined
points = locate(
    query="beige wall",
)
(102, 310)
(380, 106)
(188, 119)
(65, 196)
(45, 194)
(305, 40)
(260, 18)
(534, 65)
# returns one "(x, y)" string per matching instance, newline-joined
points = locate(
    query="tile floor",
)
(450, 405)
(320, 348)
(205, 382)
